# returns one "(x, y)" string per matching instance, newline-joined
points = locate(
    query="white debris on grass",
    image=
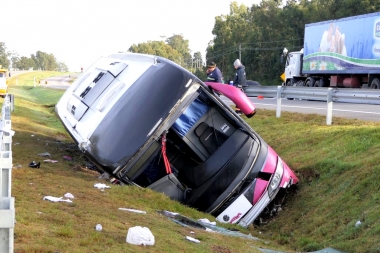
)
(98, 227)
(192, 239)
(101, 186)
(68, 195)
(131, 210)
(50, 161)
(56, 199)
(140, 236)
(205, 220)
(44, 154)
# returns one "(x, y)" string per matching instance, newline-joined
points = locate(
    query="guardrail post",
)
(7, 203)
(329, 106)
(279, 98)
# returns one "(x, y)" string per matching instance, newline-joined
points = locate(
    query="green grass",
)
(337, 166)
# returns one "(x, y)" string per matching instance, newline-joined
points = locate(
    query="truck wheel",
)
(375, 84)
(309, 82)
(319, 83)
(289, 83)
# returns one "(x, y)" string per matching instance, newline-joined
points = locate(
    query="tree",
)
(45, 61)
(158, 48)
(178, 43)
(4, 61)
(24, 63)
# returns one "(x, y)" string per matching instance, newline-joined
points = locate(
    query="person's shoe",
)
(34, 164)
(238, 112)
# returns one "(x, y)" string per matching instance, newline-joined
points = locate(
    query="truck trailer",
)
(338, 53)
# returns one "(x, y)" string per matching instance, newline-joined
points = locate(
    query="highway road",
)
(344, 110)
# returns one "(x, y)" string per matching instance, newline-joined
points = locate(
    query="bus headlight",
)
(276, 178)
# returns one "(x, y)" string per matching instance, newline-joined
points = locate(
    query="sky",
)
(78, 32)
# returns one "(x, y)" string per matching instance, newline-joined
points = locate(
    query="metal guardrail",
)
(7, 203)
(330, 95)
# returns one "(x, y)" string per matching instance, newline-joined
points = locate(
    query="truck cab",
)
(293, 71)
(3, 83)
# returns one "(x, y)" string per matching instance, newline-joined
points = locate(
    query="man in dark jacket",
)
(213, 73)
(240, 79)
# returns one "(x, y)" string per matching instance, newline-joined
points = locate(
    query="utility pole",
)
(240, 51)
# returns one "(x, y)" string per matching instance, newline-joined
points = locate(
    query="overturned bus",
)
(151, 123)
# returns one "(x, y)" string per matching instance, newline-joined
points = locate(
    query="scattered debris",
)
(114, 181)
(358, 223)
(55, 199)
(101, 186)
(68, 158)
(188, 222)
(132, 210)
(192, 239)
(17, 143)
(98, 227)
(140, 236)
(50, 161)
(104, 176)
(91, 166)
(47, 154)
(34, 164)
(17, 166)
(68, 195)
(207, 221)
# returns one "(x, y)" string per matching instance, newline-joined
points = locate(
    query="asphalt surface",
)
(345, 110)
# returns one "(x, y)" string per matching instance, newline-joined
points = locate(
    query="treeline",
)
(258, 34)
(38, 61)
(174, 48)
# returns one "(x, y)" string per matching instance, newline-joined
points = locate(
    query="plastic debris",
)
(192, 239)
(34, 164)
(207, 221)
(105, 176)
(188, 222)
(132, 210)
(17, 166)
(101, 186)
(68, 158)
(68, 195)
(358, 223)
(98, 227)
(44, 154)
(140, 236)
(55, 199)
(50, 161)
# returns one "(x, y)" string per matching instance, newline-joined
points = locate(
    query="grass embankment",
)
(337, 165)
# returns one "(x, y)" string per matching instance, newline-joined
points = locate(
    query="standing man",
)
(240, 78)
(213, 73)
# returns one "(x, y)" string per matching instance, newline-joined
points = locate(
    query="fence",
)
(330, 95)
(7, 203)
